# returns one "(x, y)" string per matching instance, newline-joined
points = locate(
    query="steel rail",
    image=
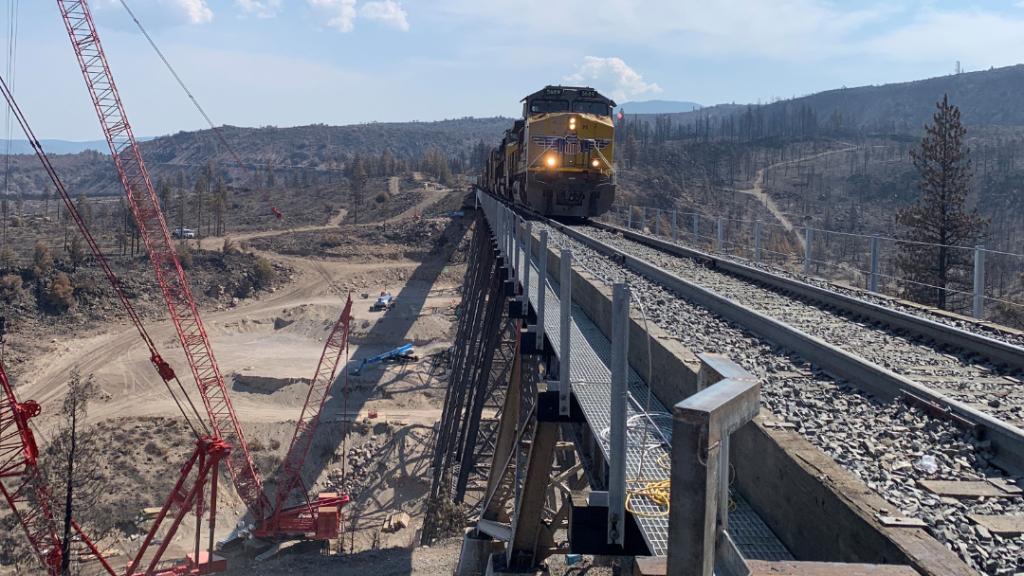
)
(994, 349)
(1007, 440)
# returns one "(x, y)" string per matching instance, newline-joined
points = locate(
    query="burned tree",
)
(357, 177)
(70, 464)
(940, 219)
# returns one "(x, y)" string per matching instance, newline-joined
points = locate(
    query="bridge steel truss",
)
(522, 464)
(479, 375)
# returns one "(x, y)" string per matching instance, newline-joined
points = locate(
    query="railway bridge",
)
(670, 410)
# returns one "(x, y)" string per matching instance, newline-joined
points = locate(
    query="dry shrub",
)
(10, 288)
(59, 296)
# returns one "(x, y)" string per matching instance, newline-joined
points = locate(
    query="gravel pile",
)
(890, 446)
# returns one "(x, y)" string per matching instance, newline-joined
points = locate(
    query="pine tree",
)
(218, 205)
(940, 219)
(84, 208)
(357, 180)
(77, 487)
(271, 180)
(76, 253)
(202, 183)
(163, 190)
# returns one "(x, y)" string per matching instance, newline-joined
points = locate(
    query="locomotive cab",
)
(568, 167)
(558, 160)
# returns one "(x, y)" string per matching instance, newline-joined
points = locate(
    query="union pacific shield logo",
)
(569, 144)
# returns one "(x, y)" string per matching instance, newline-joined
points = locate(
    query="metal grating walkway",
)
(647, 457)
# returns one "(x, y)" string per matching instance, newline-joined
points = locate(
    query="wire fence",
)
(987, 284)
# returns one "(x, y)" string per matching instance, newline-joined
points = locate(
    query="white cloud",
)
(341, 14)
(389, 12)
(158, 13)
(196, 10)
(779, 29)
(979, 39)
(613, 76)
(260, 8)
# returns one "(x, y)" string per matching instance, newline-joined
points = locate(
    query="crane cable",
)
(162, 367)
(195, 102)
(12, 56)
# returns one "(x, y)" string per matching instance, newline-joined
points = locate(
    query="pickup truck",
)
(384, 302)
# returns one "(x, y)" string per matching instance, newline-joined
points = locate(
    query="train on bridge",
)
(558, 160)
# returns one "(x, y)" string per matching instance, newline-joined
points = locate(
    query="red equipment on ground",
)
(303, 519)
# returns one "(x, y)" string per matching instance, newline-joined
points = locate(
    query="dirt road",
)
(244, 337)
(757, 191)
(217, 242)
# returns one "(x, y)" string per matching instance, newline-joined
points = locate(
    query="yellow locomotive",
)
(558, 160)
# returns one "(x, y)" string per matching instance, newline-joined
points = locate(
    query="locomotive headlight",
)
(551, 161)
(572, 124)
(595, 163)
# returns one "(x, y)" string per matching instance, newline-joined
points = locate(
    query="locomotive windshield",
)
(546, 106)
(599, 108)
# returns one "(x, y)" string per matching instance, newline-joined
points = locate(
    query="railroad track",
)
(970, 378)
(887, 395)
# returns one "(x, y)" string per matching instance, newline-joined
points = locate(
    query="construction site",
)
(409, 372)
(309, 432)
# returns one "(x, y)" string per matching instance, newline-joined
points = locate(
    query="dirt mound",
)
(263, 384)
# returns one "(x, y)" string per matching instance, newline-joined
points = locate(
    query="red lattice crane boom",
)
(145, 208)
(20, 481)
(27, 495)
(162, 367)
(304, 519)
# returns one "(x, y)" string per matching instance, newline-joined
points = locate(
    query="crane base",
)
(207, 564)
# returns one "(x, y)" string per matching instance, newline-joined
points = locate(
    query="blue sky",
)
(291, 62)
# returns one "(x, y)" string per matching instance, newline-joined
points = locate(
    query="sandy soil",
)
(267, 349)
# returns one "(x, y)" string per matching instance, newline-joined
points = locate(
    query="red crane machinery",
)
(34, 513)
(208, 454)
(29, 497)
(20, 481)
(304, 518)
(145, 208)
(162, 367)
(18, 451)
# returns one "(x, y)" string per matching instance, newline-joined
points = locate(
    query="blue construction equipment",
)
(403, 353)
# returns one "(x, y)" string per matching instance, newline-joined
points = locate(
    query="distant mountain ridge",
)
(318, 145)
(988, 98)
(658, 107)
(289, 151)
(56, 146)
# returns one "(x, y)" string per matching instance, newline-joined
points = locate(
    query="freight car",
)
(558, 160)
